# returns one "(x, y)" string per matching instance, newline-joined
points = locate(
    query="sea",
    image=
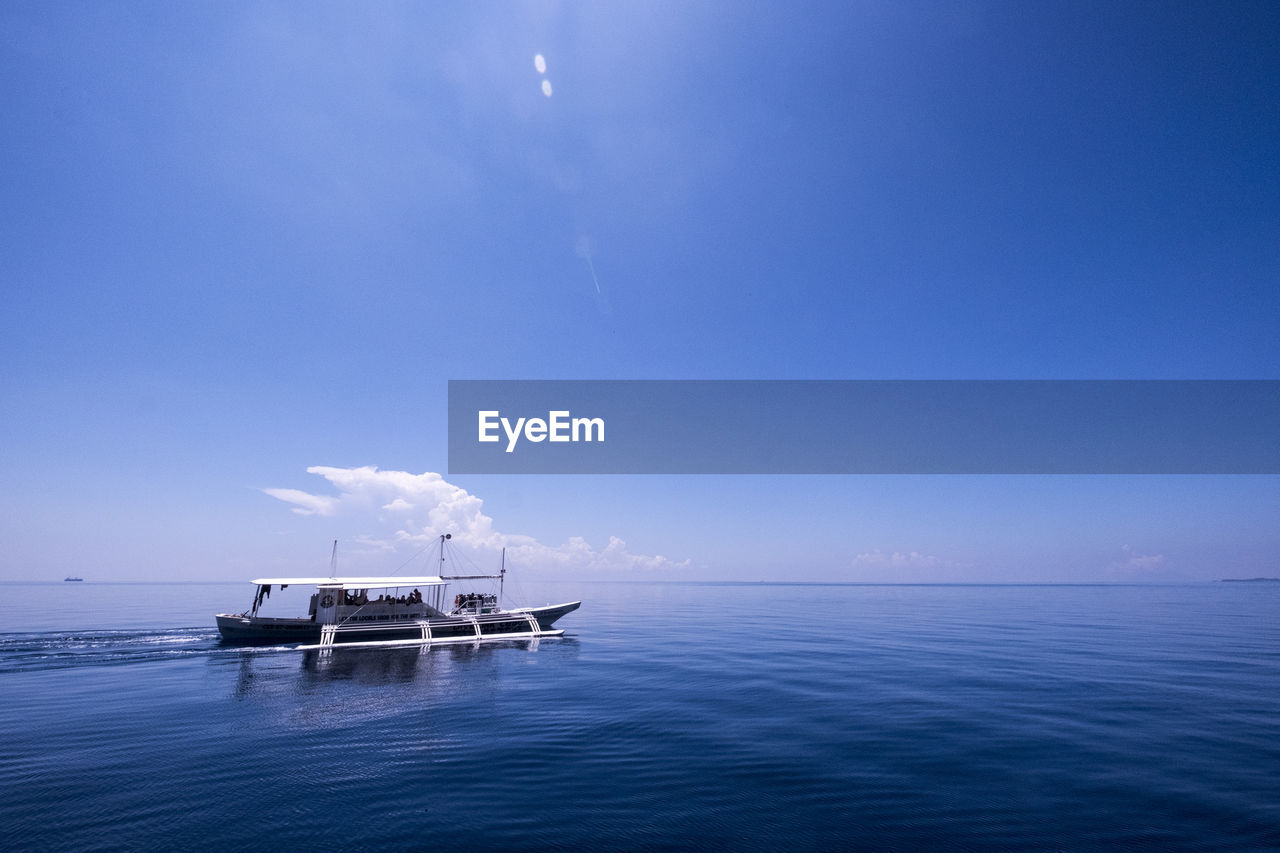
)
(668, 717)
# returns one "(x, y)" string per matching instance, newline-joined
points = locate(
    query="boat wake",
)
(27, 652)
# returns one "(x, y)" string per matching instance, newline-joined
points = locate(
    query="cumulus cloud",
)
(898, 560)
(305, 504)
(1134, 560)
(908, 566)
(428, 506)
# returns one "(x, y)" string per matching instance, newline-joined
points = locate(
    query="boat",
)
(390, 610)
(73, 580)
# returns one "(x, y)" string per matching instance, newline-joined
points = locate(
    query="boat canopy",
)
(353, 583)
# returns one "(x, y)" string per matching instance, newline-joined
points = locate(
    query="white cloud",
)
(907, 566)
(898, 560)
(438, 506)
(306, 504)
(1135, 560)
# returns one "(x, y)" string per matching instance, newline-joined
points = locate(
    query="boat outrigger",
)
(382, 610)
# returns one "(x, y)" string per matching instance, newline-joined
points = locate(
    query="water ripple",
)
(720, 717)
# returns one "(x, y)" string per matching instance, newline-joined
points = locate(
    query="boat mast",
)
(502, 576)
(333, 560)
(440, 590)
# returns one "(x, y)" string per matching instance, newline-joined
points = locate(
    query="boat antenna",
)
(502, 575)
(333, 560)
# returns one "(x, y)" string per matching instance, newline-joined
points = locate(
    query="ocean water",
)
(672, 716)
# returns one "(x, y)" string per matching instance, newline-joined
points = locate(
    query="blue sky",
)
(242, 240)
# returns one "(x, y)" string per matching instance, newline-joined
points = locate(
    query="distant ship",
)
(73, 580)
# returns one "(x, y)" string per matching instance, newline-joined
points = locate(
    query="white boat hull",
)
(501, 625)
